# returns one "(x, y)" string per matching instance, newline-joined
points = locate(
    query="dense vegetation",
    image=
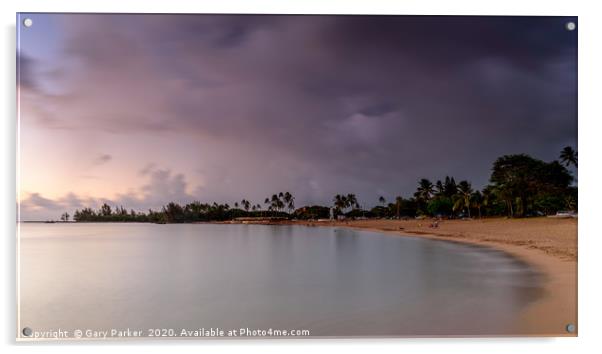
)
(520, 186)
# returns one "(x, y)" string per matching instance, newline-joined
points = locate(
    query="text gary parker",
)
(87, 333)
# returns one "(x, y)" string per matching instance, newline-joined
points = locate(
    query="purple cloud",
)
(316, 105)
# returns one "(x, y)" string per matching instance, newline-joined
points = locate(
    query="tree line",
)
(519, 186)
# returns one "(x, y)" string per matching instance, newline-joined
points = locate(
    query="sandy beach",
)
(548, 244)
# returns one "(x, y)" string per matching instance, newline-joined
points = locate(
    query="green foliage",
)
(343, 202)
(175, 213)
(423, 194)
(520, 185)
(313, 212)
(525, 183)
(403, 207)
(568, 156)
(462, 198)
(440, 206)
(549, 203)
(359, 213)
(381, 212)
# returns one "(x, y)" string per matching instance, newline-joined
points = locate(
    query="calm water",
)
(330, 281)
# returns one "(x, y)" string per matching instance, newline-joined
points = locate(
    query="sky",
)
(141, 110)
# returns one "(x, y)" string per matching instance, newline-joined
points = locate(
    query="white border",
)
(18, 181)
(590, 55)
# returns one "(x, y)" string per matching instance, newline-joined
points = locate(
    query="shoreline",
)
(548, 245)
(555, 309)
(545, 317)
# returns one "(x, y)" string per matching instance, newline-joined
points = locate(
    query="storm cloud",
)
(316, 105)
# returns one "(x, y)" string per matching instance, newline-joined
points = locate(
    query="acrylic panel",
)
(195, 176)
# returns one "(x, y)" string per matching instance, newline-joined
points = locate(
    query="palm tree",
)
(276, 202)
(477, 201)
(352, 202)
(425, 190)
(398, 201)
(336, 201)
(340, 202)
(568, 156)
(289, 200)
(463, 196)
(487, 196)
(439, 187)
(382, 200)
(449, 187)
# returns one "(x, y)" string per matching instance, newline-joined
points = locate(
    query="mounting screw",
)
(570, 328)
(28, 22)
(571, 26)
(27, 332)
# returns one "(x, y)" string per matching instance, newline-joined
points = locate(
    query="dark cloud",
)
(25, 73)
(102, 159)
(364, 104)
(35, 200)
(37, 207)
(147, 169)
(162, 186)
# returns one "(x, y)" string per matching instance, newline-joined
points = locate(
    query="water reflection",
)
(332, 281)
